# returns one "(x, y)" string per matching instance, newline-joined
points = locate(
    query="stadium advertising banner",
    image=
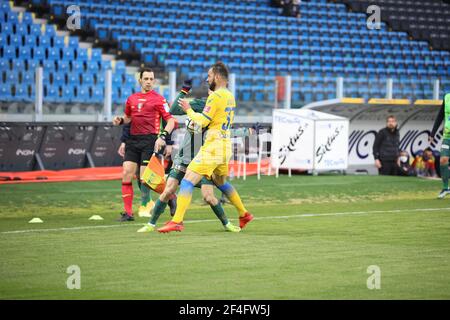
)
(331, 144)
(309, 140)
(18, 145)
(292, 140)
(414, 123)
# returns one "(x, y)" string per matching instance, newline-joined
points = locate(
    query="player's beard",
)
(212, 86)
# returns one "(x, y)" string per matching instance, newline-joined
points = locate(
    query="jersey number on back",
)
(229, 111)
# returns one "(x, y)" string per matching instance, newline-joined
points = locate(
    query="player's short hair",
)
(391, 116)
(221, 69)
(146, 69)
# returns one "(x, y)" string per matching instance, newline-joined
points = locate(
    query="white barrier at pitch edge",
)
(309, 140)
(415, 122)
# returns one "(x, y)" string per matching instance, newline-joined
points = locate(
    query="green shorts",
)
(445, 148)
(178, 174)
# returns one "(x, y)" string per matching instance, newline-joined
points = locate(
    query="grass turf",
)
(314, 238)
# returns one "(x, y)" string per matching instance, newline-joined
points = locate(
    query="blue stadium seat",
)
(4, 65)
(50, 30)
(22, 30)
(54, 54)
(58, 42)
(32, 64)
(63, 66)
(82, 94)
(35, 30)
(100, 77)
(73, 78)
(12, 77)
(18, 65)
(59, 78)
(93, 66)
(44, 41)
(9, 52)
(25, 52)
(27, 18)
(38, 53)
(69, 54)
(78, 66)
(30, 41)
(68, 93)
(87, 79)
(28, 77)
(15, 40)
(6, 28)
(5, 91)
(12, 17)
(105, 64)
(21, 92)
(82, 54)
(73, 42)
(96, 54)
(51, 93)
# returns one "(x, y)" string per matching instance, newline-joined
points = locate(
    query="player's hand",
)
(251, 131)
(187, 84)
(168, 151)
(378, 164)
(121, 150)
(184, 104)
(159, 144)
(117, 121)
(430, 139)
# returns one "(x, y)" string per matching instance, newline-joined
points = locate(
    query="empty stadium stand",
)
(423, 20)
(71, 73)
(256, 42)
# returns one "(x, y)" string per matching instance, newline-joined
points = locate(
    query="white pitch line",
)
(304, 215)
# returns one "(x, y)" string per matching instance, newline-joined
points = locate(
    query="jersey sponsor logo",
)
(166, 106)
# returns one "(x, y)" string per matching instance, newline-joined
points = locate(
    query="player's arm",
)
(197, 104)
(125, 132)
(438, 121)
(201, 118)
(126, 118)
(171, 124)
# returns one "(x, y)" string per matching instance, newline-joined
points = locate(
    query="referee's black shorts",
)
(139, 148)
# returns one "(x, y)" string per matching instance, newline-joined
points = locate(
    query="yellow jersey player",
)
(212, 159)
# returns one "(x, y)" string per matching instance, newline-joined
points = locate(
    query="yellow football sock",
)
(183, 200)
(234, 198)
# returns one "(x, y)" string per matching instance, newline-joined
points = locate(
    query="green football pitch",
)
(312, 238)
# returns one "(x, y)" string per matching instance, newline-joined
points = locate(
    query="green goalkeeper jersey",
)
(192, 142)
